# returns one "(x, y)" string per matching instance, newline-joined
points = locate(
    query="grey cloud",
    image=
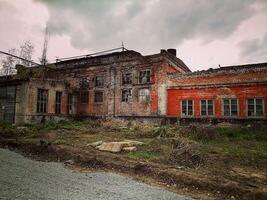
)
(147, 25)
(254, 50)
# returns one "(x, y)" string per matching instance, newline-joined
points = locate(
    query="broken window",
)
(99, 81)
(70, 104)
(230, 107)
(207, 107)
(144, 95)
(58, 102)
(187, 108)
(126, 95)
(144, 76)
(84, 83)
(84, 96)
(255, 107)
(99, 96)
(127, 78)
(42, 101)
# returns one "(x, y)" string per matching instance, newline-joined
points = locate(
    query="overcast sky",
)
(204, 32)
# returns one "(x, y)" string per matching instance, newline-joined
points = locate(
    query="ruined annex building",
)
(126, 84)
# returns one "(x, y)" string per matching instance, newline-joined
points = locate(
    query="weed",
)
(140, 155)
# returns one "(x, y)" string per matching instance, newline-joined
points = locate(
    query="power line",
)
(9, 54)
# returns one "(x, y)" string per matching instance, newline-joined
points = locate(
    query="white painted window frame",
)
(263, 107)
(213, 108)
(230, 116)
(181, 108)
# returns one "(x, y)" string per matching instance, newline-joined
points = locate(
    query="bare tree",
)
(26, 51)
(8, 64)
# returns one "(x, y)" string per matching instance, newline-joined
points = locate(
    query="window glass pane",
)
(210, 102)
(250, 101)
(226, 109)
(210, 109)
(190, 110)
(203, 103)
(250, 110)
(259, 102)
(234, 101)
(259, 110)
(226, 102)
(190, 102)
(184, 108)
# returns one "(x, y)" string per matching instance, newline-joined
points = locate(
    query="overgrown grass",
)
(71, 125)
(140, 155)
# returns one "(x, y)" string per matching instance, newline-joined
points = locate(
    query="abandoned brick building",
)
(128, 84)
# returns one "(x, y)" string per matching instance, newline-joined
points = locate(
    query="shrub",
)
(185, 154)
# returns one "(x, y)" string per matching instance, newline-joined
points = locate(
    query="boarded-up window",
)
(144, 95)
(99, 81)
(230, 108)
(42, 101)
(99, 96)
(126, 95)
(255, 107)
(127, 78)
(144, 76)
(207, 107)
(187, 107)
(58, 102)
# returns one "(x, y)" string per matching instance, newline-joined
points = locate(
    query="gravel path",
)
(22, 178)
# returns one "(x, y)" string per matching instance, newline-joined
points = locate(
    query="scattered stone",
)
(111, 147)
(95, 144)
(118, 146)
(69, 162)
(132, 143)
(129, 149)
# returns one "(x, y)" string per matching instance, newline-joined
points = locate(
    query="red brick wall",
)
(217, 94)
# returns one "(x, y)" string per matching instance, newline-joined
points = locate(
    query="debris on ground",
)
(95, 144)
(129, 149)
(115, 147)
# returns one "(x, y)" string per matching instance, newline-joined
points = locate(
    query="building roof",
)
(249, 73)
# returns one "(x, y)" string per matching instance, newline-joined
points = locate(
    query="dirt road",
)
(22, 178)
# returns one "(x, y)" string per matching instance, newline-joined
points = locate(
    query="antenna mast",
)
(44, 53)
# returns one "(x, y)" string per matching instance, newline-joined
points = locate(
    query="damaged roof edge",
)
(226, 69)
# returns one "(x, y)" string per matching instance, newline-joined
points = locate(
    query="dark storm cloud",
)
(254, 49)
(147, 25)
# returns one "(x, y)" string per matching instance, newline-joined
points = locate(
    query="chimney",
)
(162, 50)
(172, 51)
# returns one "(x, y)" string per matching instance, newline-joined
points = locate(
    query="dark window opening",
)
(187, 108)
(127, 78)
(230, 107)
(126, 95)
(70, 104)
(99, 81)
(144, 76)
(207, 107)
(58, 102)
(42, 101)
(99, 96)
(255, 107)
(84, 96)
